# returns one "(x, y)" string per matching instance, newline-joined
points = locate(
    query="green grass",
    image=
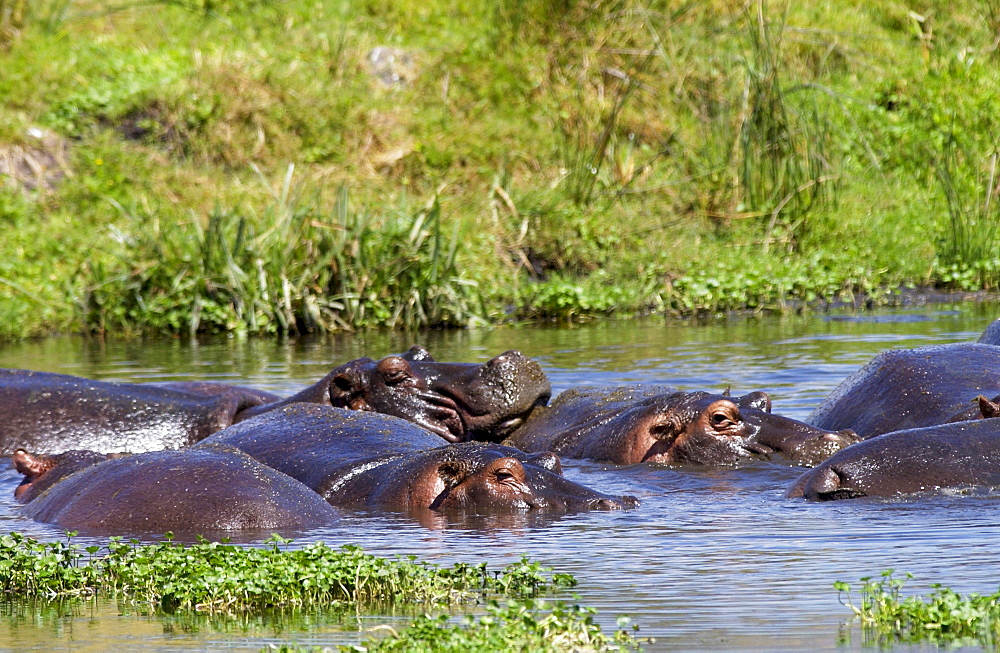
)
(220, 577)
(944, 618)
(236, 167)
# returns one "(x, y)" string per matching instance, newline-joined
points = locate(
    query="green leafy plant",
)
(782, 162)
(292, 268)
(943, 618)
(531, 625)
(221, 577)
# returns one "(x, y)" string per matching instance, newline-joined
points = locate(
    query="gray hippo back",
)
(959, 454)
(188, 491)
(911, 388)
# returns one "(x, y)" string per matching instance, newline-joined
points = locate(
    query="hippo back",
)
(911, 388)
(41, 411)
(942, 456)
(189, 491)
(991, 335)
(311, 442)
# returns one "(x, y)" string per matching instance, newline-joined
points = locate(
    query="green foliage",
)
(531, 625)
(293, 268)
(784, 168)
(120, 84)
(770, 283)
(642, 147)
(220, 577)
(945, 618)
(971, 241)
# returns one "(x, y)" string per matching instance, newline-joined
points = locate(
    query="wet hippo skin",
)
(960, 454)
(362, 459)
(41, 411)
(457, 401)
(187, 491)
(991, 335)
(633, 424)
(911, 388)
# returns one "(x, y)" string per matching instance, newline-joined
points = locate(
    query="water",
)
(713, 559)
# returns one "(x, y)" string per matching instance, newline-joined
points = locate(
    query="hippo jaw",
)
(493, 399)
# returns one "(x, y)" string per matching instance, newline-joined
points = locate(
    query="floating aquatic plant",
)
(945, 617)
(222, 577)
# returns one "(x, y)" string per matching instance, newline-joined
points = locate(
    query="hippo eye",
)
(396, 376)
(504, 475)
(394, 370)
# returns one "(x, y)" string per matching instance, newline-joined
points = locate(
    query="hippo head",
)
(42, 471)
(477, 477)
(711, 429)
(457, 401)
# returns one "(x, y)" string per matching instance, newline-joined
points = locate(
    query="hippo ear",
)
(759, 400)
(32, 465)
(989, 408)
(418, 353)
(453, 472)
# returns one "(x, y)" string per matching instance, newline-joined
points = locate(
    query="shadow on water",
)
(713, 559)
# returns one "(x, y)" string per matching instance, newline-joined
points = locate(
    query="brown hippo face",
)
(709, 429)
(458, 401)
(481, 478)
(695, 427)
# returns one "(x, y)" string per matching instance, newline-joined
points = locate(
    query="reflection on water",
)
(712, 559)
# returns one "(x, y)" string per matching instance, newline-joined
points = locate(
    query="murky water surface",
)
(712, 559)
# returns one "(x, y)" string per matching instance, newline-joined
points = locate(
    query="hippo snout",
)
(624, 503)
(823, 484)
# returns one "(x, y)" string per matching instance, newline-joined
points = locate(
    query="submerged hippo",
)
(42, 411)
(911, 388)
(954, 455)
(634, 424)
(363, 459)
(187, 491)
(457, 401)
(991, 335)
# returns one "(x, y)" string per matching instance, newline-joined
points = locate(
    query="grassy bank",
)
(262, 167)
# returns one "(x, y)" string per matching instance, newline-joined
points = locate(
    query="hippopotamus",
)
(457, 401)
(55, 412)
(991, 335)
(959, 454)
(363, 459)
(984, 408)
(911, 388)
(656, 424)
(42, 411)
(187, 491)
